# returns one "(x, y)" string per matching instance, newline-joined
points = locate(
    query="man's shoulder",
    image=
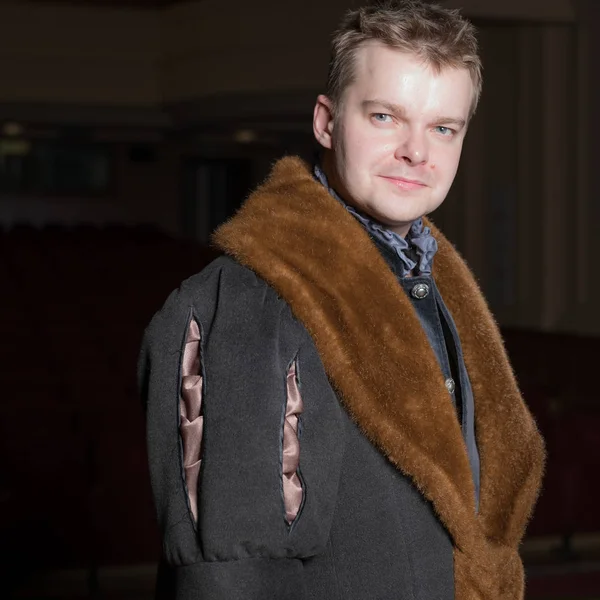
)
(225, 287)
(223, 276)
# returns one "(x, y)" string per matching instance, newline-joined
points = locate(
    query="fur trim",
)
(322, 262)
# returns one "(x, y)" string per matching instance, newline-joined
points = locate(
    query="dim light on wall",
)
(245, 136)
(12, 129)
(14, 146)
(11, 140)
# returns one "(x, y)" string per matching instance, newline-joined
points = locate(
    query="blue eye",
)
(445, 131)
(382, 117)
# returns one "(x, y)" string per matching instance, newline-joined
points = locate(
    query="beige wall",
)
(79, 55)
(257, 46)
(522, 210)
(212, 47)
(76, 55)
(536, 10)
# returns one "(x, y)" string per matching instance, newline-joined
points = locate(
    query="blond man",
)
(331, 413)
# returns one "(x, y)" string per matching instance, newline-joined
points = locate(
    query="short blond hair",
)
(440, 36)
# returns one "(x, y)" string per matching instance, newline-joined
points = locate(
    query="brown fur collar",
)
(321, 261)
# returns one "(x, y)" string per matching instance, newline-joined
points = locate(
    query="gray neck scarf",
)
(416, 252)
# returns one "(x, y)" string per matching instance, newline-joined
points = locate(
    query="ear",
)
(323, 121)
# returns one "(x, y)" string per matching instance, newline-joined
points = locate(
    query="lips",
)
(405, 183)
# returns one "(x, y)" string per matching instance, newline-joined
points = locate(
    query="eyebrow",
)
(399, 110)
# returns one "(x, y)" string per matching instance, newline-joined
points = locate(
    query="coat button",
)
(450, 385)
(420, 291)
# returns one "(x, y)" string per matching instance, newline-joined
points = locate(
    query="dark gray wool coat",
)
(381, 504)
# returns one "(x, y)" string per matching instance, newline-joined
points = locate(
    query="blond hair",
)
(440, 36)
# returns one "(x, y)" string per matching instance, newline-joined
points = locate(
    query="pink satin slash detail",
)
(292, 487)
(190, 407)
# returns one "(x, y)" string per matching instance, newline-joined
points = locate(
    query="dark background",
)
(130, 129)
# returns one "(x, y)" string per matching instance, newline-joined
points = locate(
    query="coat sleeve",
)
(223, 522)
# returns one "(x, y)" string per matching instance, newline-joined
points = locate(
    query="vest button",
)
(420, 291)
(450, 385)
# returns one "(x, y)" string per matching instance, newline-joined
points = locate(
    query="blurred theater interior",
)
(130, 129)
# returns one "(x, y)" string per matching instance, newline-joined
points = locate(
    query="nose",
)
(413, 149)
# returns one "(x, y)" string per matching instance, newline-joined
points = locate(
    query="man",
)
(331, 413)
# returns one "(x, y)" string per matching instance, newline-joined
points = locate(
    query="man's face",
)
(397, 135)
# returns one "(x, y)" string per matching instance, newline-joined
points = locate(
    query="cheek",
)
(453, 166)
(445, 163)
(367, 154)
(365, 144)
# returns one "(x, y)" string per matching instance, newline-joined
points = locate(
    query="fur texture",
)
(321, 261)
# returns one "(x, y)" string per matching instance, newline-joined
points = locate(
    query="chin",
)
(395, 221)
(395, 218)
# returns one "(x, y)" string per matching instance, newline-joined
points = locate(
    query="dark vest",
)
(444, 339)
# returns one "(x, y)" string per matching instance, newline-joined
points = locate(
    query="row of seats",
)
(72, 453)
(556, 375)
(73, 467)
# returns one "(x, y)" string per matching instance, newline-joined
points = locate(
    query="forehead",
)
(405, 79)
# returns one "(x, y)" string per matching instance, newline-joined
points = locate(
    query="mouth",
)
(404, 183)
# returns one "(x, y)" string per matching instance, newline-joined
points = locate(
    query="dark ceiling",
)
(112, 3)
